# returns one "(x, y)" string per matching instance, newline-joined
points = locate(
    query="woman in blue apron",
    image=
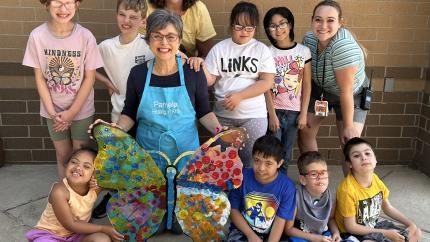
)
(164, 97)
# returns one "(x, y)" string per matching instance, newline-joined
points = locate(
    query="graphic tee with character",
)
(259, 203)
(365, 204)
(62, 62)
(287, 86)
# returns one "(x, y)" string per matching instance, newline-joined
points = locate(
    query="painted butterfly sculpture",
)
(144, 195)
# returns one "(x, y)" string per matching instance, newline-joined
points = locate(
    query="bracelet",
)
(218, 129)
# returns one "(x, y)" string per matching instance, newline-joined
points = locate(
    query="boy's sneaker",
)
(100, 210)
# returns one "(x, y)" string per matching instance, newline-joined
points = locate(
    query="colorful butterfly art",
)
(144, 196)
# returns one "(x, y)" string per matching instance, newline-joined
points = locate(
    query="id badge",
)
(321, 108)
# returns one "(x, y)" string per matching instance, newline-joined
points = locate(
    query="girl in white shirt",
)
(241, 70)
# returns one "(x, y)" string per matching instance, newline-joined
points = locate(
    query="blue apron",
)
(167, 120)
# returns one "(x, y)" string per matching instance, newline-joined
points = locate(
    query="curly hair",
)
(47, 2)
(186, 4)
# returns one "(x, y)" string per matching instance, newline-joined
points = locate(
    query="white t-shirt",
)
(239, 67)
(118, 60)
(290, 64)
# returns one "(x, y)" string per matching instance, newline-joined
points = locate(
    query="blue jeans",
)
(287, 134)
(297, 239)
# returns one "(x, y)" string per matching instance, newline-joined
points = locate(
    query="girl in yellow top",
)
(67, 214)
(362, 195)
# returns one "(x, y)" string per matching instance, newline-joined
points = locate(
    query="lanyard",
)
(323, 77)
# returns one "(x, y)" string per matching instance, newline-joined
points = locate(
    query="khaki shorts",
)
(77, 131)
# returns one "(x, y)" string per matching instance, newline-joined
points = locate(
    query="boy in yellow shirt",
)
(361, 197)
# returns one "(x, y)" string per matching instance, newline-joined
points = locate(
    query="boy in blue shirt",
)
(264, 204)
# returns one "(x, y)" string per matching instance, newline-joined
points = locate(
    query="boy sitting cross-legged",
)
(315, 202)
(362, 195)
(266, 199)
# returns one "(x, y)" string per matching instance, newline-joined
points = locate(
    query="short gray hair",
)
(159, 20)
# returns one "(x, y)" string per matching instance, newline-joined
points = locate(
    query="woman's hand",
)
(301, 120)
(349, 133)
(98, 121)
(273, 123)
(195, 63)
(113, 234)
(231, 101)
(236, 136)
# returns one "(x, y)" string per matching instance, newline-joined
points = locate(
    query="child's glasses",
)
(314, 174)
(159, 37)
(67, 5)
(274, 27)
(238, 27)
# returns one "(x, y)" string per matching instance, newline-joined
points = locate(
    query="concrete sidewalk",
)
(24, 188)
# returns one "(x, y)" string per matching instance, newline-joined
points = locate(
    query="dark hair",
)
(284, 12)
(330, 3)
(268, 146)
(135, 5)
(186, 4)
(83, 149)
(159, 19)
(353, 142)
(248, 10)
(308, 158)
(47, 2)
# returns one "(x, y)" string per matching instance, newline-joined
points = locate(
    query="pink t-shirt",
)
(62, 62)
(287, 88)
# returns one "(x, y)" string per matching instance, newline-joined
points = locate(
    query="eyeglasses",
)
(159, 37)
(314, 174)
(238, 27)
(67, 5)
(274, 27)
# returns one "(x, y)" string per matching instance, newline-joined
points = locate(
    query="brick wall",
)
(396, 34)
(392, 126)
(421, 159)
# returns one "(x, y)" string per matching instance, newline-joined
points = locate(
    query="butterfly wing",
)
(215, 165)
(202, 211)
(137, 213)
(138, 207)
(202, 208)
